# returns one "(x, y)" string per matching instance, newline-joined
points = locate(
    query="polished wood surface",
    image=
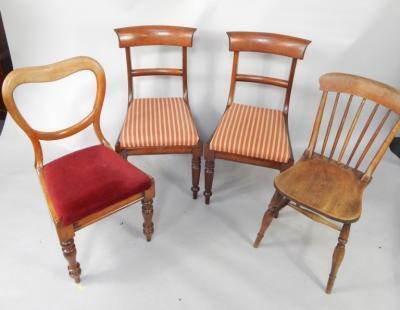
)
(50, 73)
(329, 185)
(263, 43)
(155, 35)
(362, 87)
(325, 187)
(160, 35)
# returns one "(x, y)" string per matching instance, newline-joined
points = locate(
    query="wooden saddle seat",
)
(158, 122)
(253, 132)
(89, 180)
(324, 186)
(328, 183)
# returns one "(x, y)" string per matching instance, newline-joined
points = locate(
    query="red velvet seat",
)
(89, 180)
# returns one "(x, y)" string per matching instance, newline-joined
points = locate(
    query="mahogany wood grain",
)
(263, 43)
(262, 80)
(157, 71)
(272, 43)
(326, 189)
(155, 35)
(160, 35)
(50, 73)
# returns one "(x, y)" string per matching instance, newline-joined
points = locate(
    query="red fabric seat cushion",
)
(91, 179)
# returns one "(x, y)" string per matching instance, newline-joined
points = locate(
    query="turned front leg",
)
(209, 157)
(69, 252)
(338, 255)
(147, 211)
(196, 168)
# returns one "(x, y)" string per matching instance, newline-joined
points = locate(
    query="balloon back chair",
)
(329, 184)
(87, 185)
(159, 125)
(248, 134)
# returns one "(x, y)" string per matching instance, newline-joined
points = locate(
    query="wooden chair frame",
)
(382, 95)
(55, 72)
(258, 42)
(160, 35)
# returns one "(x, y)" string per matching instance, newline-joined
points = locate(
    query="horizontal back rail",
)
(262, 80)
(157, 71)
(362, 87)
(263, 42)
(155, 35)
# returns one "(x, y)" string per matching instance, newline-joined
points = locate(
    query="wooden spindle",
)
(363, 131)
(379, 154)
(328, 129)
(350, 132)
(317, 125)
(339, 132)
(371, 141)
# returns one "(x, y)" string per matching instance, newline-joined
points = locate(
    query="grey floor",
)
(201, 256)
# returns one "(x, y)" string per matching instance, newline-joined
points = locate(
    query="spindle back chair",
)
(159, 125)
(87, 199)
(270, 125)
(329, 184)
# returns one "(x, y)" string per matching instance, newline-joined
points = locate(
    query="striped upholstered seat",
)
(253, 132)
(158, 122)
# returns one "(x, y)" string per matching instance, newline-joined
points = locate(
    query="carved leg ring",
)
(147, 211)
(338, 255)
(69, 251)
(196, 168)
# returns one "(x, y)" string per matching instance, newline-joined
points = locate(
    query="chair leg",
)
(147, 211)
(209, 173)
(277, 202)
(276, 214)
(196, 168)
(338, 255)
(69, 252)
(284, 167)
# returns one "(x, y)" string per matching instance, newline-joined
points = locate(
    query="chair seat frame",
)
(53, 72)
(257, 42)
(382, 95)
(168, 36)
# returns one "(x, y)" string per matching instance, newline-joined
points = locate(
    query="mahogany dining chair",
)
(89, 184)
(329, 184)
(159, 125)
(249, 134)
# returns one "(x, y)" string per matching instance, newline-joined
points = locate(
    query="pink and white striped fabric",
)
(253, 132)
(158, 122)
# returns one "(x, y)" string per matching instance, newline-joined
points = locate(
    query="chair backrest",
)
(271, 43)
(50, 73)
(367, 90)
(156, 35)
